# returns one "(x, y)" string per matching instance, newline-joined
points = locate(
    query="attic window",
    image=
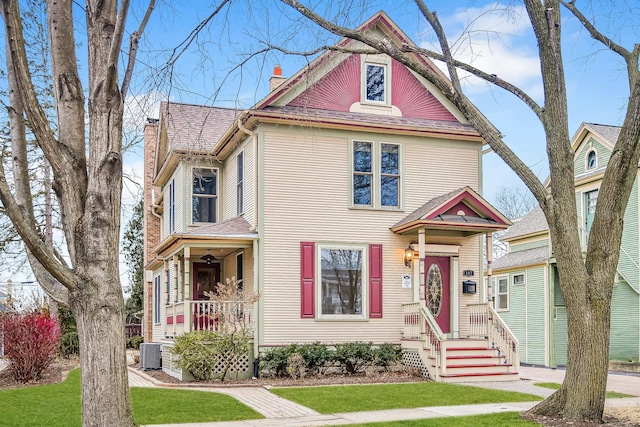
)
(592, 160)
(375, 83)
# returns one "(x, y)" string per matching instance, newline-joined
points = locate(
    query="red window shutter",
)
(307, 279)
(375, 281)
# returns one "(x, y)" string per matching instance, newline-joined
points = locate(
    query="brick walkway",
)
(257, 398)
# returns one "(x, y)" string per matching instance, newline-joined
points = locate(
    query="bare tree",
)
(586, 283)
(85, 161)
(514, 202)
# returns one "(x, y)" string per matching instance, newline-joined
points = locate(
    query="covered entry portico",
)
(193, 264)
(450, 305)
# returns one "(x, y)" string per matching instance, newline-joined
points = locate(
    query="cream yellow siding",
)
(306, 197)
(230, 179)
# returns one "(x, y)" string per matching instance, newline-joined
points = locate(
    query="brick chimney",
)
(276, 80)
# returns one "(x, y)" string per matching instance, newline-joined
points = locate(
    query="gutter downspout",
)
(154, 207)
(256, 243)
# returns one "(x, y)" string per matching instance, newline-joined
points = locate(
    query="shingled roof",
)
(236, 226)
(377, 120)
(522, 258)
(610, 133)
(195, 127)
(532, 222)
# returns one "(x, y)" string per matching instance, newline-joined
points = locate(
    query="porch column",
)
(185, 293)
(421, 255)
(489, 252)
(455, 296)
(165, 282)
(174, 290)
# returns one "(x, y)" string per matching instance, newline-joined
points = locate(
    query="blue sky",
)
(499, 42)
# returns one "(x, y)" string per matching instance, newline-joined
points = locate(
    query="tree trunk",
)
(99, 314)
(582, 393)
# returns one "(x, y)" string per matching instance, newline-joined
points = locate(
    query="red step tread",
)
(482, 374)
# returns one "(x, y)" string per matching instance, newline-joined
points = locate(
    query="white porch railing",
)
(484, 321)
(420, 324)
(219, 315)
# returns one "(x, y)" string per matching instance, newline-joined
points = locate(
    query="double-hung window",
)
(240, 182)
(376, 174)
(502, 293)
(205, 195)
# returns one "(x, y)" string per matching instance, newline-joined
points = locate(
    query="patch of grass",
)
(610, 394)
(504, 419)
(354, 398)
(58, 405)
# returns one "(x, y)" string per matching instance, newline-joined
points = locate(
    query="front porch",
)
(488, 352)
(216, 316)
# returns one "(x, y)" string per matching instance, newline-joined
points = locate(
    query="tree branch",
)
(133, 48)
(118, 32)
(475, 118)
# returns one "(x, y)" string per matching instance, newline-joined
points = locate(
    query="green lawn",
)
(354, 398)
(610, 394)
(58, 405)
(504, 419)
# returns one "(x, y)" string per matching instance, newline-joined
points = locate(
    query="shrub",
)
(30, 344)
(134, 342)
(387, 354)
(275, 360)
(317, 357)
(69, 344)
(195, 353)
(355, 356)
(200, 352)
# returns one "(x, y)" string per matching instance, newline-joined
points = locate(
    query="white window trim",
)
(365, 282)
(524, 279)
(586, 160)
(240, 183)
(157, 287)
(380, 61)
(217, 196)
(376, 176)
(240, 254)
(171, 205)
(497, 293)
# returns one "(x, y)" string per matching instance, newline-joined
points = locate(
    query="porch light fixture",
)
(208, 258)
(409, 254)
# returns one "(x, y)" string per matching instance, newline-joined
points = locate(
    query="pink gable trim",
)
(412, 98)
(470, 199)
(462, 207)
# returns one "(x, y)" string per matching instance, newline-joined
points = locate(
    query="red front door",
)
(437, 269)
(205, 279)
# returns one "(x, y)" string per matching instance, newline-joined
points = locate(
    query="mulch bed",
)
(55, 373)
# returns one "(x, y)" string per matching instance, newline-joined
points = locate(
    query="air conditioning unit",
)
(151, 355)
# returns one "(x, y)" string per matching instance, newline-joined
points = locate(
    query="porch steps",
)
(474, 360)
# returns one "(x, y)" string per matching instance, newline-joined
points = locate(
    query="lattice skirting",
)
(412, 359)
(242, 366)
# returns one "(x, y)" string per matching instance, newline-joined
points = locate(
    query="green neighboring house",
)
(525, 281)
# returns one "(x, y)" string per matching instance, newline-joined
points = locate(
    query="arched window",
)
(592, 160)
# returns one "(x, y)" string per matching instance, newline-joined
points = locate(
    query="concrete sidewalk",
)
(616, 381)
(281, 412)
